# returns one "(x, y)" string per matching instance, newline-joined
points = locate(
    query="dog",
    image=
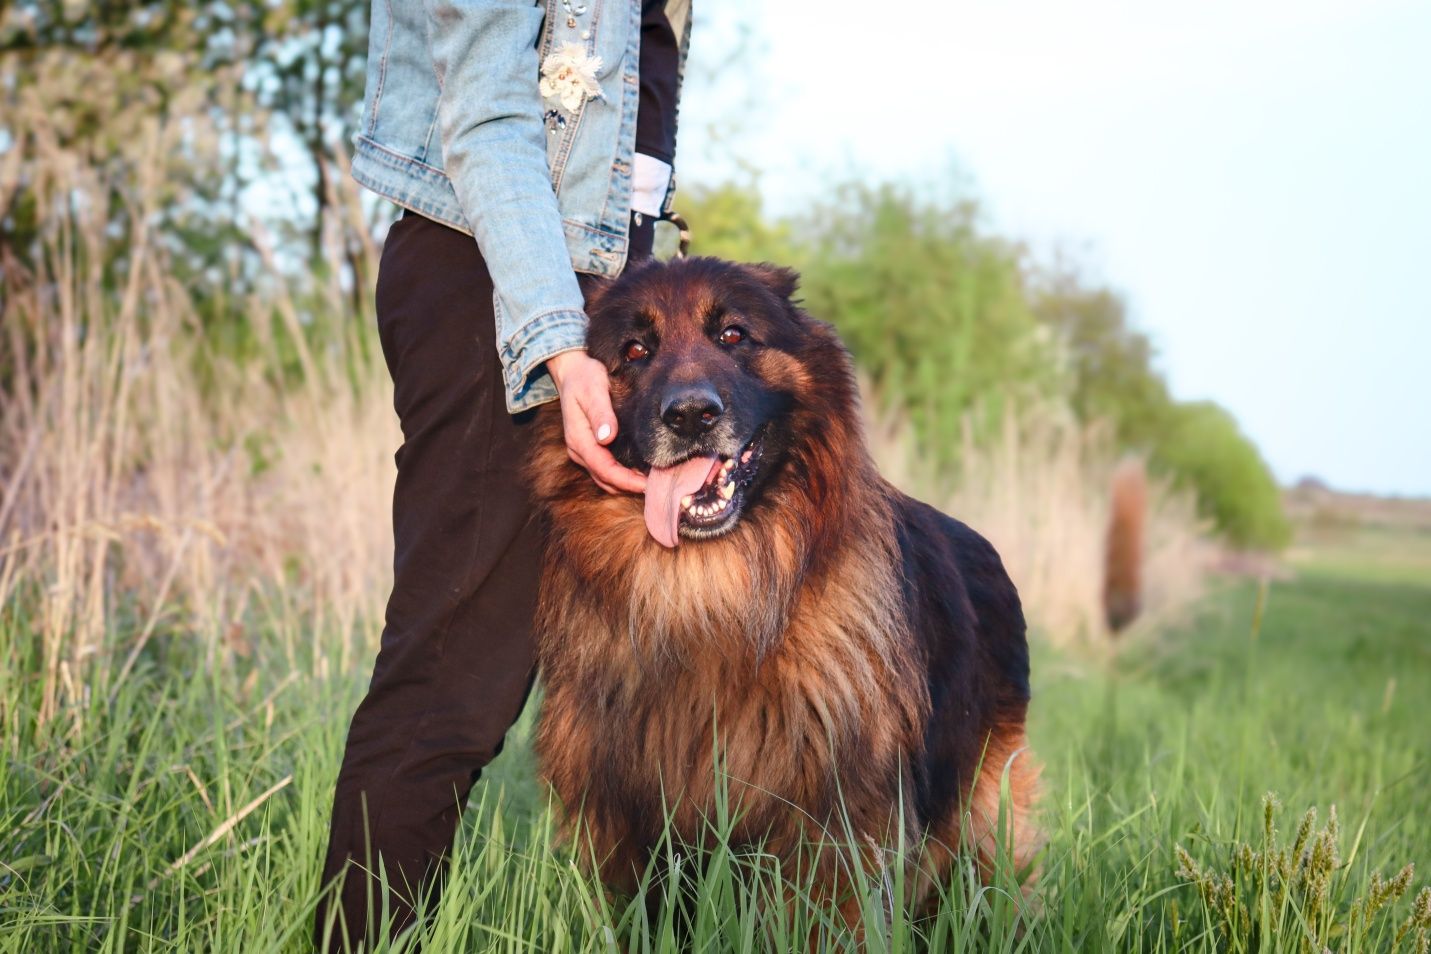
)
(773, 613)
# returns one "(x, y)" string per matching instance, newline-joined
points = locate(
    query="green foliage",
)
(1203, 446)
(1113, 378)
(1110, 363)
(729, 221)
(933, 309)
(244, 68)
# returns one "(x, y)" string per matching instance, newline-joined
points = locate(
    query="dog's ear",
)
(780, 280)
(594, 289)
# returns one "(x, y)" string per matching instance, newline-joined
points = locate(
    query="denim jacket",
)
(455, 129)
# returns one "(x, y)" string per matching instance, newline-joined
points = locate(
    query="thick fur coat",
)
(850, 655)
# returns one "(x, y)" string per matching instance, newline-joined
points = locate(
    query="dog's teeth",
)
(687, 500)
(728, 491)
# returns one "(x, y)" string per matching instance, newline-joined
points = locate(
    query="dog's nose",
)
(691, 412)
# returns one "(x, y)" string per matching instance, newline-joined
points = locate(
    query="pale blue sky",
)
(1255, 177)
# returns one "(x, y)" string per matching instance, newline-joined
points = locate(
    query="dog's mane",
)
(823, 522)
(786, 632)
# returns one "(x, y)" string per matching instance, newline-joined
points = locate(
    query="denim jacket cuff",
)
(524, 357)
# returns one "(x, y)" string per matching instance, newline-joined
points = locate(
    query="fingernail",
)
(603, 432)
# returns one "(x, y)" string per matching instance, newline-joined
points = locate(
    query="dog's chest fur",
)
(804, 691)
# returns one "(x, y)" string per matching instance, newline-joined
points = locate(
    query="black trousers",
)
(456, 661)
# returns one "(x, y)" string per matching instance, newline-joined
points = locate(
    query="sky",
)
(1254, 177)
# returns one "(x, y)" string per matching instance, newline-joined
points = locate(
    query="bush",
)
(1203, 448)
(933, 309)
(1112, 377)
(1109, 363)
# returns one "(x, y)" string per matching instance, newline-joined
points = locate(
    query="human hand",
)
(587, 421)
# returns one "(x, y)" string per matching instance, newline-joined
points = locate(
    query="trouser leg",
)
(456, 660)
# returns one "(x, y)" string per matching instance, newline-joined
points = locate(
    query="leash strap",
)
(675, 218)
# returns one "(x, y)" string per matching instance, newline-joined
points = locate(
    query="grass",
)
(1173, 744)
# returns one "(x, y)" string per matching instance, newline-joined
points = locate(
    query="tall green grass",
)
(107, 817)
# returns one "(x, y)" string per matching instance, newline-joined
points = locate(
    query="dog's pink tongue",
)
(665, 486)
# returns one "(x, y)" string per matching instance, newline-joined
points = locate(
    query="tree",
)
(260, 66)
(932, 307)
(1110, 364)
(1113, 377)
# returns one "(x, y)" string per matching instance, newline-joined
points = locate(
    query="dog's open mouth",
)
(700, 497)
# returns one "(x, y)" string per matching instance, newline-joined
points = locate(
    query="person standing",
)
(531, 145)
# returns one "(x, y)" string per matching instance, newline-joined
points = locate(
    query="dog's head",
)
(719, 383)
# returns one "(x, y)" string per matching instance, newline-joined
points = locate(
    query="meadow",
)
(186, 809)
(196, 447)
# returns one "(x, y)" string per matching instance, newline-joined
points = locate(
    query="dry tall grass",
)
(154, 485)
(1040, 491)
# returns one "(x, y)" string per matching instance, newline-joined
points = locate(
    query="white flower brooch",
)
(569, 75)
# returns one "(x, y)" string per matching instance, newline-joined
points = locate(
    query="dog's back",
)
(966, 615)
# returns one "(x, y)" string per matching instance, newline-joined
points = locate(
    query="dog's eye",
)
(635, 351)
(732, 335)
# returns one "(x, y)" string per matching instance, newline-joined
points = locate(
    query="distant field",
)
(1369, 538)
(1369, 553)
(107, 830)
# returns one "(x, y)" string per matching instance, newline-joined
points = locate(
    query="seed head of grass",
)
(1269, 815)
(1293, 891)
(1418, 921)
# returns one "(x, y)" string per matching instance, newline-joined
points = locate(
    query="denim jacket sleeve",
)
(489, 118)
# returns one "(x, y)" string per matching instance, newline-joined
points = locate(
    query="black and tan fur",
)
(853, 649)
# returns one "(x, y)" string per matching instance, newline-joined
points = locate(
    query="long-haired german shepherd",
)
(854, 658)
